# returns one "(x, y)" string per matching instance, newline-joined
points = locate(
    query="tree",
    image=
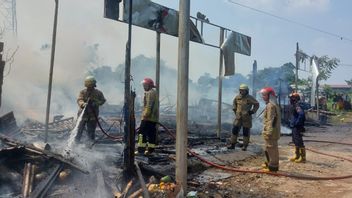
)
(272, 75)
(327, 91)
(326, 66)
(349, 82)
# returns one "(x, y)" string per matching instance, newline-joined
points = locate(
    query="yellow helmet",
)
(90, 81)
(244, 87)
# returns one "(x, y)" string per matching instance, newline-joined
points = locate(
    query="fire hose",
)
(282, 174)
(101, 128)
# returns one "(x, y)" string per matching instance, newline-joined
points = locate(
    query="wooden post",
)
(53, 43)
(220, 83)
(182, 94)
(157, 73)
(128, 159)
(254, 78)
(2, 67)
(297, 66)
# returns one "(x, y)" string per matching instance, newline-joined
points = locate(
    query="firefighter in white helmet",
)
(147, 130)
(89, 99)
(244, 105)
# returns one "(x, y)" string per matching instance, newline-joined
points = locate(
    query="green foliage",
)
(326, 66)
(327, 91)
(349, 82)
(271, 76)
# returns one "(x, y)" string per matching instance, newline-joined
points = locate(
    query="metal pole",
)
(182, 94)
(297, 66)
(51, 71)
(220, 83)
(128, 155)
(157, 74)
(317, 99)
(254, 78)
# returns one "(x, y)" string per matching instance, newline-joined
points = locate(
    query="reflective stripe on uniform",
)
(151, 145)
(140, 142)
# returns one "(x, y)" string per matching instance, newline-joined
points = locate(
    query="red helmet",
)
(148, 81)
(268, 90)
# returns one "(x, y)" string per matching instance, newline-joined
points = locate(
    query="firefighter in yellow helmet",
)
(147, 130)
(89, 100)
(244, 105)
(271, 129)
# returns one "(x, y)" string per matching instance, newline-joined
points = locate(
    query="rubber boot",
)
(264, 165)
(270, 169)
(245, 143)
(140, 145)
(296, 156)
(302, 155)
(150, 149)
(233, 142)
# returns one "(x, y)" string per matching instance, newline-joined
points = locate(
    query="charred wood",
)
(43, 187)
(45, 153)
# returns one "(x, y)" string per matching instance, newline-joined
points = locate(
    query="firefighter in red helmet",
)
(271, 129)
(147, 130)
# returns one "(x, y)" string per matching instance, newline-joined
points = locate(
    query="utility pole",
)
(2, 67)
(182, 94)
(254, 78)
(220, 82)
(297, 66)
(128, 152)
(51, 71)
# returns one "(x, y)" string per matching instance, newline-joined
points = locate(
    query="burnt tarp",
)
(153, 16)
(111, 9)
(234, 43)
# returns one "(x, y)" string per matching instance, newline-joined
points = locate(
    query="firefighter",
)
(244, 105)
(297, 126)
(271, 129)
(89, 99)
(147, 129)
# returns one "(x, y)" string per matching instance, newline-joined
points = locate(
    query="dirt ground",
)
(236, 184)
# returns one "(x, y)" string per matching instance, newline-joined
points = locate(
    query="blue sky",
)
(81, 24)
(273, 40)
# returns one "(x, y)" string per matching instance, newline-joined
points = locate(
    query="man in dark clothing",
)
(297, 125)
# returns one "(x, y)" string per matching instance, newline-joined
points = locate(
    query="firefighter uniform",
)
(271, 134)
(147, 130)
(89, 99)
(244, 105)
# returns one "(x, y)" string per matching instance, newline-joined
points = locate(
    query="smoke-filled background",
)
(89, 44)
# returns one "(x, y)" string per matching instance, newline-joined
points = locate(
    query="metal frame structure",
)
(8, 12)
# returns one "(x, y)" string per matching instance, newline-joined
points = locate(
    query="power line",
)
(292, 21)
(346, 65)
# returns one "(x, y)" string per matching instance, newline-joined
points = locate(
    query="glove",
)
(84, 105)
(266, 136)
